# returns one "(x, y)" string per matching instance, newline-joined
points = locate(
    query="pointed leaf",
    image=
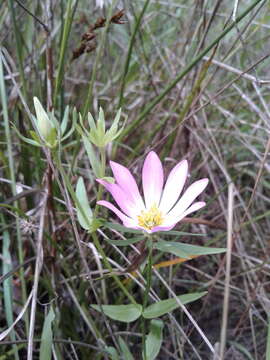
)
(165, 306)
(91, 122)
(186, 250)
(154, 340)
(84, 212)
(182, 233)
(94, 138)
(113, 129)
(121, 228)
(101, 121)
(27, 140)
(64, 121)
(124, 313)
(94, 161)
(46, 337)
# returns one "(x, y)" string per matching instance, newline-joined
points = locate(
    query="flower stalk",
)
(147, 290)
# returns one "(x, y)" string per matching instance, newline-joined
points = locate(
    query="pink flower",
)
(161, 208)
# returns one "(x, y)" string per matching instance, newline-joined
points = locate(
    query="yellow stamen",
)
(150, 218)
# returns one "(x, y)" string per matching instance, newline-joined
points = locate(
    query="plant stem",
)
(146, 292)
(100, 187)
(130, 48)
(89, 97)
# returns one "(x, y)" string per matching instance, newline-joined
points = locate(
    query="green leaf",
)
(182, 233)
(84, 212)
(101, 122)
(165, 306)
(124, 313)
(186, 250)
(91, 122)
(64, 121)
(125, 242)
(121, 228)
(125, 352)
(51, 139)
(46, 337)
(154, 339)
(112, 352)
(35, 136)
(94, 161)
(27, 140)
(110, 134)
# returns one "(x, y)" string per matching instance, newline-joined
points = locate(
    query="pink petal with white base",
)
(126, 181)
(152, 179)
(189, 196)
(162, 228)
(128, 222)
(173, 220)
(174, 186)
(122, 198)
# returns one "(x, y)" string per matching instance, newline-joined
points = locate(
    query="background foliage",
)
(192, 79)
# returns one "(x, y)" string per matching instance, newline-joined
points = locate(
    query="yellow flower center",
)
(150, 218)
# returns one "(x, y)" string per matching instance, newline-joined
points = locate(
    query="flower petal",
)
(128, 222)
(189, 196)
(174, 186)
(152, 179)
(162, 228)
(122, 198)
(170, 221)
(126, 181)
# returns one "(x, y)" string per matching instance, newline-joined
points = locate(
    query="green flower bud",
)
(45, 126)
(98, 134)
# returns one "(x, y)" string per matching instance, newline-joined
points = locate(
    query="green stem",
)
(18, 45)
(94, 234)
(13, 186)
(130, 47)
(108, 266)
(100, 187)
(63, 48)
(146, 292)
(97, 62)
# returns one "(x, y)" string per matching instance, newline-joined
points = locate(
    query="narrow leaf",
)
(154, 339)
(94, 161)
(64, 121)
(186, 250)
(124, 313)
(84, 213)
(165, 306)
(46, 337)
(121, 228)
(182, 233)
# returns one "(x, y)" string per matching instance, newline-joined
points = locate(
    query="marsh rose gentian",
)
(161, 208)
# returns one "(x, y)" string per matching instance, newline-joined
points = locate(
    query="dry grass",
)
(217, 116)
